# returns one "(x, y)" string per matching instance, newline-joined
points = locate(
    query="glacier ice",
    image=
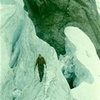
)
(19, 49)
(98, 5)
(81, 62)
(87, 64)
(84, 49)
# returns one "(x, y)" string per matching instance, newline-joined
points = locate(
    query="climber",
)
(40, 62)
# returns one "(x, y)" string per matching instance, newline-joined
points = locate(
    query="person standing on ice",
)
(40, 62)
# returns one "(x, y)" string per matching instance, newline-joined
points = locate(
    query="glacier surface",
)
(19, 48)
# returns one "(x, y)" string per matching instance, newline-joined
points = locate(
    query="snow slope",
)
(19, 49)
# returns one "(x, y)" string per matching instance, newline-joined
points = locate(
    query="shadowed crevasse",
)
(52, 16)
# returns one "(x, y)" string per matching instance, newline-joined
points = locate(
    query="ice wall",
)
(87, 64)
(84, 49)
(18, 52)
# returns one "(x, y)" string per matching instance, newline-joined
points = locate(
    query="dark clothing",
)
(40, 62)
(41, 71)
(14, 98)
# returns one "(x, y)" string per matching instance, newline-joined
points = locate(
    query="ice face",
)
(19, 50)
(86, 61)
(85, 51)
(81, 62)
